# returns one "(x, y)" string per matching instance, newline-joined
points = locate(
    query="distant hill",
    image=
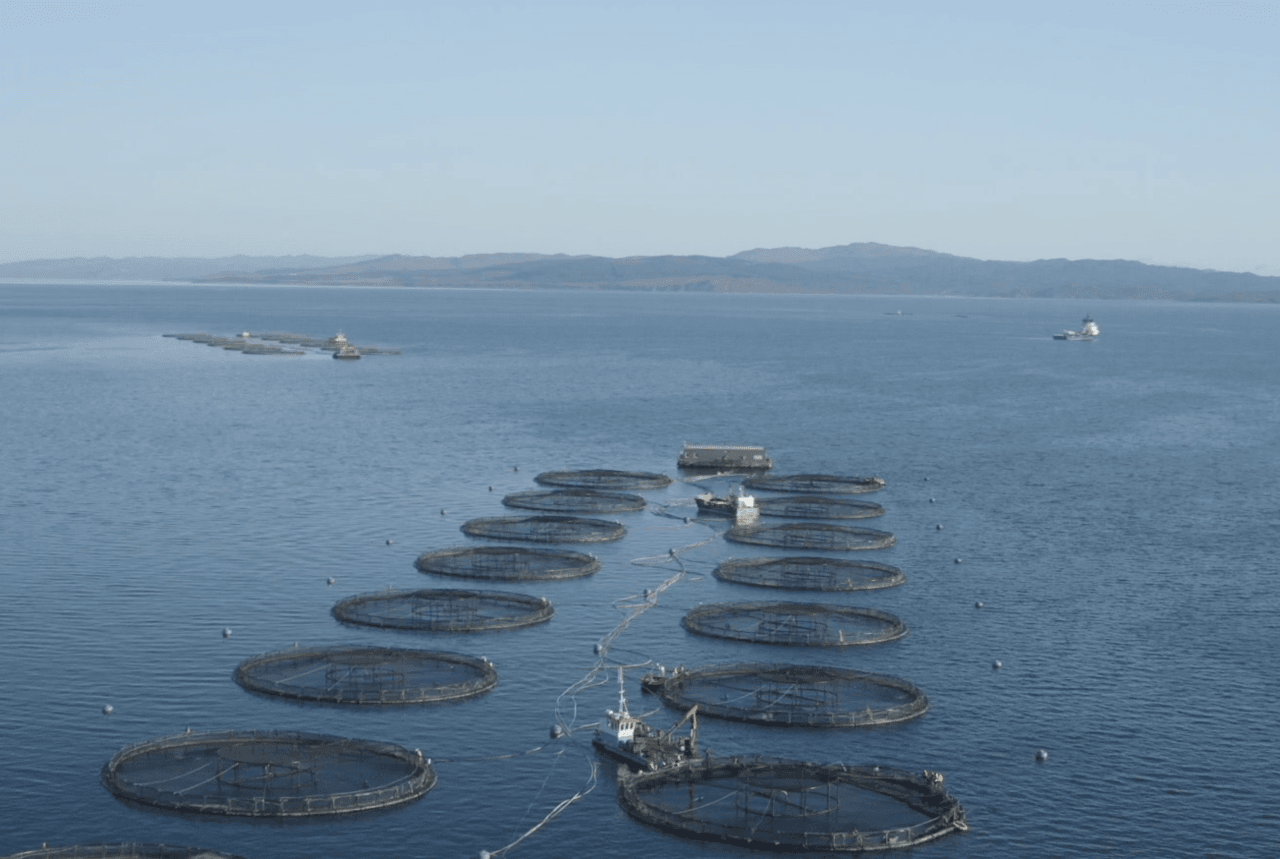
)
(860, 268)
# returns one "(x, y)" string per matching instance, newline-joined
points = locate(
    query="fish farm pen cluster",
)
(604, 478)
(811, 535)
(267, 774)
(772, 694)
(507, 563)
(810, 574)
(755, 802)
(367, 675)
(120, 851)
(545, 529)
(444, 610)
(795, 623)
(776, 804)
(575, 501)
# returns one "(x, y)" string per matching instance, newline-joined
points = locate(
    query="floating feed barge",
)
(812, 535)
(604, 478)
(444, 610)
(575, 501)
(267, 774)
(794, 623)
(774, 804)
(775, 694)
(545, 529)
(810, 574)
(121, 851)
(507, 563)
(815, 483)
(367, 675)
(725, 457)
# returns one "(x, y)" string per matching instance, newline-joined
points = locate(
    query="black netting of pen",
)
(795, 623)
(545, 529)
(507, 563)
(444, 610)
(575, 501)
(267, 774)
(603, 478)
(810, 574)
(367, 675)
(829, 483)
(775, 694)
(812, 535)
(120, 851)
(817, 507)
(774, 804)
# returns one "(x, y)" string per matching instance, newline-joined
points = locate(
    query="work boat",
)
(628, 740)
(1088, 331)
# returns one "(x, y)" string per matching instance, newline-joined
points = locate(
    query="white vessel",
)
(1088, 331)
(628, 740)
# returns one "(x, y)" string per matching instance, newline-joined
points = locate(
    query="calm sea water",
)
(1115, 505)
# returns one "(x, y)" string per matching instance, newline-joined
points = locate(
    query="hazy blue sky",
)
(1144, 130)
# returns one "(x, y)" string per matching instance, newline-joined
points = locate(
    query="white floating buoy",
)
(598, 649)
(484, 854)
(389, 542)
(556, 732)
(930, 500)
(997, 665)
(490, 488)
(443, 512)
(108, 710)
(515, 468)
(959, 560)
(1042, 756)
(226, 633)
(979, 604)
(331, 580)
(939, 527)
(926, 478)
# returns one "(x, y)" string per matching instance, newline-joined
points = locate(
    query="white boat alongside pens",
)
(1088, 331)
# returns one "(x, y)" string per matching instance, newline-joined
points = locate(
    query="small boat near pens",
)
(347, 353)
(1088, 331)
(631, 742)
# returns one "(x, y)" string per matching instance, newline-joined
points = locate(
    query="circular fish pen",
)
(604, 478)
(575, 501)
(267, 774)
(821, 483)
(507, 563)
(810, 574)
(545, 529)
(812, 535)
(795, 623)
(120, 851)
(443, 610)
(818, 507)
(773, 804)
(808, 695)
(367, 675)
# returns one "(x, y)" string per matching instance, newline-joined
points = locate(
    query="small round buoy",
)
(108, 710)
(646, 593)
(515, 468)
(979, 604)
(1042, 756)
(997, 665)
(926, 478)
(490, 488)
(443, 512)
(598, 649)
(556, 732)
(959, 560)
(930, 500)
(389, 542)
(484, 854)
(939, 527)
(332, 580)
(226, 633)
(686, 520)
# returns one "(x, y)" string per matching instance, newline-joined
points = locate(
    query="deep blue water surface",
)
(1115, 504)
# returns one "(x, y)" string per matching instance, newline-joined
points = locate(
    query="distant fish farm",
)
(278, 343)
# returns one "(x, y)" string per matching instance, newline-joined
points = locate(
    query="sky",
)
(1020, 131)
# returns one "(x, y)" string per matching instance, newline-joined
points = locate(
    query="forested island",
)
(865, 268)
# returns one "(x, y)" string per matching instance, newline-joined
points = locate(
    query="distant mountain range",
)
(861, 268)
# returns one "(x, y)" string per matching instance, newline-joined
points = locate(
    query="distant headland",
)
(863, 268)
